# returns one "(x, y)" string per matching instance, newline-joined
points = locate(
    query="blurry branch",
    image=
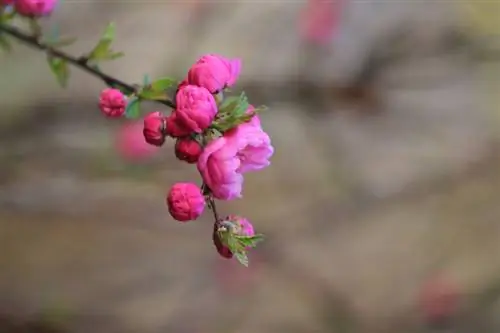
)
(80, 62)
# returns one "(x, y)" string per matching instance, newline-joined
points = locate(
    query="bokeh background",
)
(381, 208)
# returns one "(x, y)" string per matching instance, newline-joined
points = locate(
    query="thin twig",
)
(80, 62)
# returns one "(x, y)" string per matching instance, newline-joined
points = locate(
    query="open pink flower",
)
(195, 108)
(35, 8)
(214, 72)
(223, 161)
(219, 167)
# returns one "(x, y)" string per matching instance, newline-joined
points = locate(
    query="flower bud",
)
(188, 150)
(154, 129)
(236, 225)
(195, 108)
(34, 8)
(185, 202)
(174, 129)
(112, 102)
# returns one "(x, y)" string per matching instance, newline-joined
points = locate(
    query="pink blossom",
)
(130, 142)
(195, 108)
(320, 20)
(185, 202)
(154, 129)
(112, 102)
(35, 8)
(214, 72)
(173, 127)
(188, 150)
(243, 149)
(219, 167)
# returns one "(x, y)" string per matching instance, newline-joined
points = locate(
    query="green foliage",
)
(250, 241)
(233, 112)
(103, 51)
(60, 69)
(157, 90)
(133, 109)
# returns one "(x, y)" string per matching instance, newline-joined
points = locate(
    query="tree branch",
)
(80, 62)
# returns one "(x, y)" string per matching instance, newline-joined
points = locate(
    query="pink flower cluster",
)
(222, 159)
(31, 8)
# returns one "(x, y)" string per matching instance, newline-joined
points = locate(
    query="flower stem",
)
(80, 62)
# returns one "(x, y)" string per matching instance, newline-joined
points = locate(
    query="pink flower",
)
(243, 228)
(130, 142)
(188, 150)
(320, 20)
(223, 161)
(439, 300)
(195, 108)
(253, 145)
(185, 202)
(112, 102)
(214, 72)
(35, 8)
(154, 129)
(219, 167)
(174, 129)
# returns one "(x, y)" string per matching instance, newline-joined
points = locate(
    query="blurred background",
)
(381, 207)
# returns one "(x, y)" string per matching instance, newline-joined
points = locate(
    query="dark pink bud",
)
(185, 202)
(174, 129)
(154, 129)
(112, 102)
(188, 150)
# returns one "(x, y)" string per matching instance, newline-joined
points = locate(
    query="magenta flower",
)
(242, 149)
(195, 108)
(154, 129)
(34, 8)
(243, 228)
(214, 72)
(185, 202)
(112, 102)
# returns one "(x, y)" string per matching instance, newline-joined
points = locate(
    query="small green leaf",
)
(163, 84)
(5, 44)
(146, 80)
(242, 258)
(60, 69)
(61, 42)
(153, 95)
(133, 109)
(250, 241)
(230, 103)
(102, 50)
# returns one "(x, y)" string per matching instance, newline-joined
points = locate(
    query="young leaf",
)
(163, 84)
(242, 258)
(5, 44)
(60, 69)
(153, 95)
(146, 81)
(250, 241)
(242, 106)
(133, 109)
(102, 50)
(229, 103)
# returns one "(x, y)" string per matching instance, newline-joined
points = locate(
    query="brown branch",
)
(80, 62)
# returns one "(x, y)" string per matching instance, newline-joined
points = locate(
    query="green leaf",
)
(229, 103)
(61, 42)
(163, 84)
(102, 50)
(242, 258)
(133, 109)
(250, 241)
(153, 95)
(5, 44)
(234, 106)
(60, 69)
